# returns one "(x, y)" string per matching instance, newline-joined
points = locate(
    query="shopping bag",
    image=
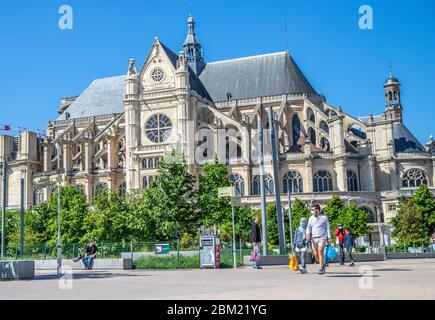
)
(255, 256)
(330, 252)
(293, 263)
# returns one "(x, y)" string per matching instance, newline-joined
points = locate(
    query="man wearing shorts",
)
(319, 234)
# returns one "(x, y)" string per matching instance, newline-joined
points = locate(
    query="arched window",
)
(256, 185)
(324, 144)
(324, 126)
(100, 187)
(372, 215)
(414, 178)
(296, 124)
(310, 115)
(239, 184)
(38, 197)
(322, 181)
(352, 181)
(295, 180)
(147, 181)
(123, 189)
(312, 135)
(268, 185)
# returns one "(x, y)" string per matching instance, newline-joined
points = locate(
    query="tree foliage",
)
(409, 224)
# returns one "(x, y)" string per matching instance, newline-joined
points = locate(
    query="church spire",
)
(393, 103)
(192, 48)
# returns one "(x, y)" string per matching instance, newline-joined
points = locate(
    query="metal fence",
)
(46, 251)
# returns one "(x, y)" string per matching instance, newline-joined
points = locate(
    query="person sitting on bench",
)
(91, 254)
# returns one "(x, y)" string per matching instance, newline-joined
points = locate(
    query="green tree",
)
(272, 224)
(171, 198)
(214, 210)
(355, 218)
(74, 211)
(409, 225)
(114, 220)
(299, 210)
(335, 210)
(425, 203)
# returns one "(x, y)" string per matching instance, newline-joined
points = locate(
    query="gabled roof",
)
(256, 76)
(103, 96)
(404, 140)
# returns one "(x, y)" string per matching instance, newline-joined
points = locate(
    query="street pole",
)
(22, 219)
(262, 191)
(234, 238)
(381, 235)
(282, 246)
(290, 213)
(3, 244)
(59, 239)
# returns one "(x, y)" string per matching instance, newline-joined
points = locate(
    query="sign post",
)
(235, 202)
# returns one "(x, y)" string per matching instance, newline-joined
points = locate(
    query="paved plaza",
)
(393, 279)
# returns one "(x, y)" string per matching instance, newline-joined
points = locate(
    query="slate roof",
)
(256, 76)
(250, 77)
(103, 96)
(404, 140)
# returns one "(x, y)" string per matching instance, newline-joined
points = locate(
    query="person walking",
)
(319, 233)
(339, 234)
(255, 239)
(300, 244)
(349, 242)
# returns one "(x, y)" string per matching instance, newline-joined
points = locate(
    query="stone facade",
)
(113, 134)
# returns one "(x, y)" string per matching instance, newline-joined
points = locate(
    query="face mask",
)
(312, 212)
(303, 225)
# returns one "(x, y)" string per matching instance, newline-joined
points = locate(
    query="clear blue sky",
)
(39, 63)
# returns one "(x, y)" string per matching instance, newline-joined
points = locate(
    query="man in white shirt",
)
(318, 232)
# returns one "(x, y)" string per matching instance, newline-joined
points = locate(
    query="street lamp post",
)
(59, 239)
(290, 214)
(381, 235)
(22, 217)
(3, 244)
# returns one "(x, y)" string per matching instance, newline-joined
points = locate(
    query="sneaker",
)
(303, 270)
(78, 258)
(259, 267)
(351, 264)
(341, 263)
(322, 271)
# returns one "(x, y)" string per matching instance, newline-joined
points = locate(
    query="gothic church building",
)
(112, 135)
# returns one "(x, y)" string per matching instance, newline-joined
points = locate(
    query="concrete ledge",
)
(99, 264)
(407, 255)
(17, 270)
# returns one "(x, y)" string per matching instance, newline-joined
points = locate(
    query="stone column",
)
(341, 174)
(47, 157)
(67, 157)
(393, 176)
(112, 153)
(308, 179)
(88, 154)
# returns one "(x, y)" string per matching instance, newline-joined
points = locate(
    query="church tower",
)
(393, 104)
(192, 48)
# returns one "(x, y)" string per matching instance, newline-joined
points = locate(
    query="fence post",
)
(131, 250)
(45, 252)
(73, 250)
(102, 249)
(178, 252)
(240, 248)
(16, 252)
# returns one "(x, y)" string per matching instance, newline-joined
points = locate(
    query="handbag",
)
(255, 256)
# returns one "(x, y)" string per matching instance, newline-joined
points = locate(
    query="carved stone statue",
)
(132, 70)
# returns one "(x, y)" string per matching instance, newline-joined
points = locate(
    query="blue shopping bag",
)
(330, 253)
